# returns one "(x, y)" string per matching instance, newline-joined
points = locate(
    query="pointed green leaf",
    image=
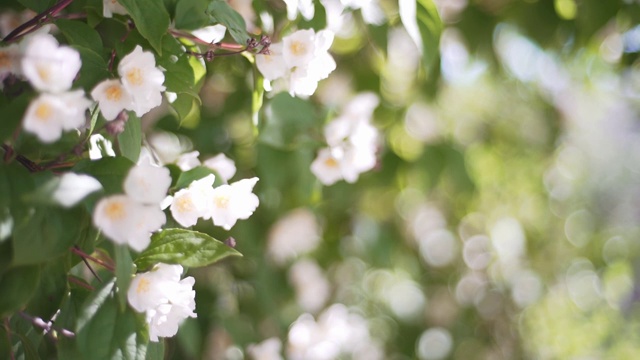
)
(130, 140)
(151, 19)
(17, 286)
(124, 270)
(224, 14)
(184, 247)
(196, 173)
(79, 33)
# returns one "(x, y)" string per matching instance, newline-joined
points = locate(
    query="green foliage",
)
(220, 12)
(185, 247)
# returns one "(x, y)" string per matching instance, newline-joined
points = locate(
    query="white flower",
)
(188, 161)
(353, 143)
(295, 234)
(299, 62)
(272, 66)
(193, 202)
(49, 114)
(305, 7)
(112, 98)
(222, 165)
(74, 187)
(110, 7)
(9, 60)
(211, 34)
(164, 298)
(99, 147)
(48, 66)
(147, 184)
(298, 48)
(142, 79)
(234, 202)
(327, 167)
(269, 349)
(126, 221)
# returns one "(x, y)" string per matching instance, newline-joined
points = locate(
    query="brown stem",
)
(37, 21)
(83, 255)
(30, 165)
(7, 330)
(80, 283)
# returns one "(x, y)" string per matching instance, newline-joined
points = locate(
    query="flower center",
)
(298, 48)
(185, 204)
(43, 112)
(114, 93)
(143, 286)
(44, 73)
(331, 162)
(115, 210)
(221, 201)
(135, 76)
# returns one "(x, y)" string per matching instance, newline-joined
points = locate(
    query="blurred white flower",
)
(371, 11)
(305, 7)
(211, 34)
(74, 187)
(293, 235)
(147, 183)
(142, 79)
(269, 349)
(112, 98)
(164, 298)
(188, 161)
(352, 140)
(130, 219)
(337, 333)
(193, 202)
(126, 221)
(310, 284)
(49, 66)
(233, 202)
(49, 114)
(110, 7)
(169, 146)
(222, 165)
(9, 60)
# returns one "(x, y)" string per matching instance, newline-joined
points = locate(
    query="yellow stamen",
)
(44, 73)
(298, 48)
(115, 211)
(114, 93)
(143, 286)
(221, 201)
(331, 162)
(135, 76)
(43, 112)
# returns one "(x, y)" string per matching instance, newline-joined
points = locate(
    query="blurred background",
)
(501, 219)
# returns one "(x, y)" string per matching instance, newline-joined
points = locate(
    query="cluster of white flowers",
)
(299, 62)
(224, 205)
(164, 298)
(337, 333)
(139, 87)
(130, 218)
(51, 69)
(352, 140)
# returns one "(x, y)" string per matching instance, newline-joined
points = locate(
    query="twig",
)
(37, 21)
(83, 255)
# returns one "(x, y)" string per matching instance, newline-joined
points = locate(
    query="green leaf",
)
(187, 108)
(190, 14)
(12, 114)
(81, 34)
(130, 140)
(93, 70)
(124, 270)
(50, 230)
(288, 121)
(110, 171)
(155, 351)
(151, 19)
(224, 14)
(105, 333)
(17, 286)
(185, 247)
(423, 23)
(196, 173)
(51, 290)
(37, 5)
